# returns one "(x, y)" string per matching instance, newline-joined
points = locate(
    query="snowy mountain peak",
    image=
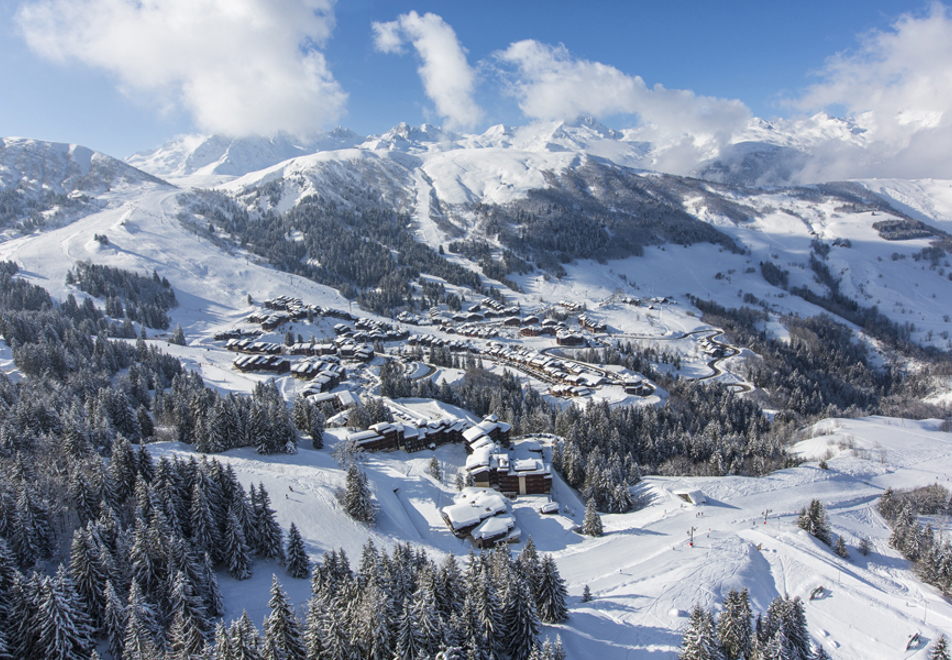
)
(189, 155)
(412, 139)
(36, 166)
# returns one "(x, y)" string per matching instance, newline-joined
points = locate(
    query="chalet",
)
(563, 338)
(531, 331)
(408, 436)
(473, 506)
(530, 320)
(266, 363)
(250, 345)
(282, 303)
(338, 401)
(275, 321)
(591, 324)
(495, 530)
(491, 428)
(512, 321)
(637, 385)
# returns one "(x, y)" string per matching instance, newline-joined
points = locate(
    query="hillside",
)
(421, 229)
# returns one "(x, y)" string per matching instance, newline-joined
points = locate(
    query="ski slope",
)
(644, 575)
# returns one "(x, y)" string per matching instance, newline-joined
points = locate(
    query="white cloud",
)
(551, 84)
(238, 66)
(897, 86)
(447, 78)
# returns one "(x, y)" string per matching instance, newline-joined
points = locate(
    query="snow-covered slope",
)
(228, 156)
(644, 575)
(32, 167)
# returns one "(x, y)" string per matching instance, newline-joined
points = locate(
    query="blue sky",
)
(91, 72)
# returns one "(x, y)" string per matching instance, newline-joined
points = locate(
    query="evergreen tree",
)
(205, 532)
(408, 641)
(734, 629)
(269, 536)
(234, 548)
(357, 500)
(520, 619)
(64, 632)
(433, 469)
(700, 638)
(531, 567)
(178, 336)
(840, 548)
(940, 649)
(139, 642)
(552, 594)
(373, 635)
(592, 523)
(299, 566)
(245, 642)
(115, 620)
(282, 628)
(89, 575)
(814, 521)
(190, 625)
(211, 592)
(586, 594)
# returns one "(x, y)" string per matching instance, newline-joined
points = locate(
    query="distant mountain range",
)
(783, 152)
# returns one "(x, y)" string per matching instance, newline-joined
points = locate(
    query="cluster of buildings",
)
(483, 515)
(545, 367)
(591, 324)
(409, 436)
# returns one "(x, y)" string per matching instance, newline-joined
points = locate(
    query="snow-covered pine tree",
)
(449, 587)
(734, 630)
(178, 336)
(139, 642)
(796, 624)
(814, 521)
(115, 620)
(336, 641)
(520, 619)
(586, 594)
(65, 632)
(299, 566)
(592, 523)
(424, 607)
(270, 541)
(205, 530)
(840, 548)
(211, 592)
(407, 642)
(282, 627)
(190, 624)
(552, 594)
(531, 567)
(374, 637)
(234, 549)
(433, 468)
(357, 500)
(245, 642)
(89, 576)
(940, 649)
(700, 638)
(222, 649)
